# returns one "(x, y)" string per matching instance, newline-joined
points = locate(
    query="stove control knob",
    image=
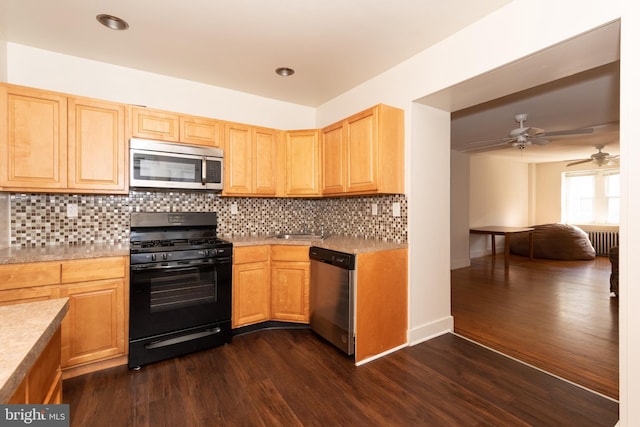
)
(153, 257)
(164, 257)
(214, 252)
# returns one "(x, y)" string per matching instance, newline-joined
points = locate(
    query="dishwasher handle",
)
(335, 258)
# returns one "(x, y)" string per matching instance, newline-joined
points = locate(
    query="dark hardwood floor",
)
(555, 315)
(294, 378)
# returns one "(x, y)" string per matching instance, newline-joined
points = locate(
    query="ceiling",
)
(333, 45)
(583, 100)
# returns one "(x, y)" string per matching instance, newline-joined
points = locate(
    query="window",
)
(591, 197)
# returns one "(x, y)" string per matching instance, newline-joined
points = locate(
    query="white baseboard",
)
(431, 330)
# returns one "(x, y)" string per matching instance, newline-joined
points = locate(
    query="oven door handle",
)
(183, 338)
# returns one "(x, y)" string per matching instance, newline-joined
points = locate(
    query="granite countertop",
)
(13, 255)
(25, 330)
(348, 244)
(342, 243)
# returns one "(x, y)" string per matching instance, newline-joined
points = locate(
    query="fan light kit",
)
(598, 158)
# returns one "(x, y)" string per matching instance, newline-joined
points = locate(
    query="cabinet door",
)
(333, 159)
(97, 145)
(250, 293)
(362, 151)
(238, 160)
(94, 327)
(265, 146)
(303, 163)
(201, 131)
(154, 124)
(33, 138)
(290, 291)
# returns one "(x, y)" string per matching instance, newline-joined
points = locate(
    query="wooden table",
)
(497, 230)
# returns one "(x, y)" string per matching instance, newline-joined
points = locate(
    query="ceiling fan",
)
(598, 158)
(522, 136)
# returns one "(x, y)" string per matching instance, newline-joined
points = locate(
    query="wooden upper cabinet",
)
(364, 154)
(250, 155)
(97, 145)
(334, 153)
(362, 151)
(173, 127)
(303, 163)
(201, 131)
(33, 138)
(155, 124)
(238, 159)
(265, 146)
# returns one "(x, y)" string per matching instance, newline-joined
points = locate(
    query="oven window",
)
(179, 289)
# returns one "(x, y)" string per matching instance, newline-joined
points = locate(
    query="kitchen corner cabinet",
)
(250, 160)
(290, 283)
(369, 149)
(302, 163)
(173, 127)
(94, 330)
(251, 285)
(55, 143)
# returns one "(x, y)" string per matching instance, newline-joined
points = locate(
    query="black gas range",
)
(180, 285)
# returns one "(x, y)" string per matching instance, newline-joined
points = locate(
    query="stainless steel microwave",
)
(155, 164)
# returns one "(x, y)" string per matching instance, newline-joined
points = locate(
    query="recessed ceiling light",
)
(285, 71)
(112, 22)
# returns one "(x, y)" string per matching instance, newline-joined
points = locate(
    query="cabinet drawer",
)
(250, 254)
(14, 276)
(290, 253)
(92, 269)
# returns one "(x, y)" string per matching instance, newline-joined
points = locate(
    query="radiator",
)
(602, 241)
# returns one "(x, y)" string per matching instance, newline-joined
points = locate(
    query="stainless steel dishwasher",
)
(331, 299)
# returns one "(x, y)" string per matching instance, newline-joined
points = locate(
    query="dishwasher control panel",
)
(328, 256)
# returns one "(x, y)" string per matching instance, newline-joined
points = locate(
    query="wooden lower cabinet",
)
(381, 302)
(251, 288)
(94, 331)
(290, 283)
(270, 283)
(43, 383)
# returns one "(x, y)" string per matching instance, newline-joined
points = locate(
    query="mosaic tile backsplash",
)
(41, 219)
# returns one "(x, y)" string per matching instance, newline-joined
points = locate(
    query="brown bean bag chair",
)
(555, 241)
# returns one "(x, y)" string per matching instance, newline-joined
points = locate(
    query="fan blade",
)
(487, 146)
(493, 140)
(539, 141)
(584, 131)
(579, 162)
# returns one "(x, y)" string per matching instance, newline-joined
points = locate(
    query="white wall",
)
(498, 195)
(459, 210)
(78, 76)
(3, 61)
(629, 300)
